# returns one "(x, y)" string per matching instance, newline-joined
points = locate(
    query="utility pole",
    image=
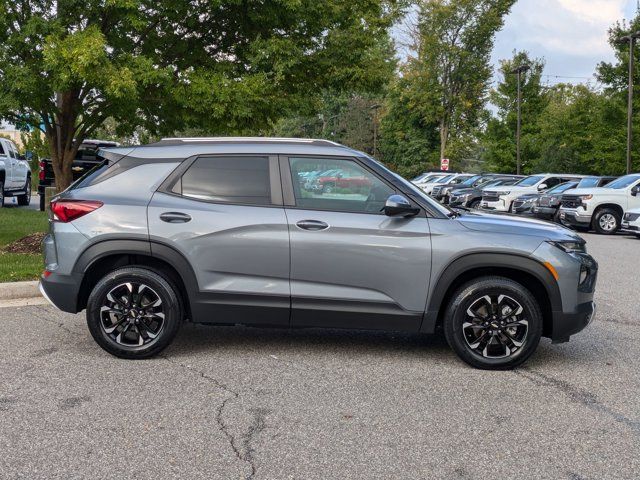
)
(375, 108)
(632, 41)
(519, 71)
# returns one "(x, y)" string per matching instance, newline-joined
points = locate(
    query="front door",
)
(224, 214)
(351, 265)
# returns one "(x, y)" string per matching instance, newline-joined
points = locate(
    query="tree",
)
(499, 137)
(451, 67)
(223, 66)
(615, 78)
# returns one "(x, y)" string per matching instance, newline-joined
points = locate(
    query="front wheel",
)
(475, 205)
(1, 194)
(493, 323)
(606, 221)
(134, 313)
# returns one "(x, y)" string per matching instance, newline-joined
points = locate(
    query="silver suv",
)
(302, 233)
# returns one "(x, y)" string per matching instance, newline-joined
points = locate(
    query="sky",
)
(571, 35)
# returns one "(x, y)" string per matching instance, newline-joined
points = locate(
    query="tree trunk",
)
(63, 144)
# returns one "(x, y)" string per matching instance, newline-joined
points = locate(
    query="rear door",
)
(351, 265)
(224, 214)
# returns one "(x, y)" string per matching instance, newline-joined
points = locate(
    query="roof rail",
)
(199, 140)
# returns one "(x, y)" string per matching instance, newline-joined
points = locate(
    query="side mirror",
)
(399, 206)
(542, 186)
(635, 190)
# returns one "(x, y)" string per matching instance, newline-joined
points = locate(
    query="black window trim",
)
(275, 186)
(289, 193)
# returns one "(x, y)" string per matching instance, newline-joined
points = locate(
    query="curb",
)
(19, 290)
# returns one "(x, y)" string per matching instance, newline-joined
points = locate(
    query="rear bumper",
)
(61, 291)
(567, 324)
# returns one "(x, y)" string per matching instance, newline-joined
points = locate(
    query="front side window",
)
(337, 185)
(530, 181)
(242, 180)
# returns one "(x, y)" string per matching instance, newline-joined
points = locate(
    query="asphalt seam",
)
(578, 395)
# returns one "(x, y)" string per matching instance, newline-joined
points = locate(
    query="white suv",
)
(601, 208)
(501, 199)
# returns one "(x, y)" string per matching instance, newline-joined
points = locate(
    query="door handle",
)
(313, 225)
(175, 217)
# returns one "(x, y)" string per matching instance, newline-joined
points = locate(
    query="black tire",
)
(462, 339)
(556, 217)
(42, 205)
(475, 204)
(155, 285)
(606, 221)
(25, 199)
(1, 194)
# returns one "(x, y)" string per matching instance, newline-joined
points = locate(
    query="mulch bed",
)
(29, 244)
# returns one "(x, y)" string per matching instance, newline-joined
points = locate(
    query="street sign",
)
(444, 164)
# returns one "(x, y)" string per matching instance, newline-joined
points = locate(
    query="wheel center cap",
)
(495, 325)
(133, 313)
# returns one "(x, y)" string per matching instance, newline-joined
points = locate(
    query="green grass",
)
(16, 223)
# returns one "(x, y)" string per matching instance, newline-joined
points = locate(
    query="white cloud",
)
(570, 34)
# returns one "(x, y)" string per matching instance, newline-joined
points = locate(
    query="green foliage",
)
(499, 137)
(444, 84)
(163, 66)
(15, 224)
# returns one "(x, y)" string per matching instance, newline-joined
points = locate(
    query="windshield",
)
(472, 181)
(623, 182)
(563, 187)
(422, 177)
(589, 182)
(529, 181)
(445, 179)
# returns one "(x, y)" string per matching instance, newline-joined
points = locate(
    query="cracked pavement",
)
(242, 403)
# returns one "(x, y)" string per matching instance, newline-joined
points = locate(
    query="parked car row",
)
(601, 203)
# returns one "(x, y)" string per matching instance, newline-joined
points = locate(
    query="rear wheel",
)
(26, 198)
(42, 205)
(134, 313)
(493, 323)
(606, 221)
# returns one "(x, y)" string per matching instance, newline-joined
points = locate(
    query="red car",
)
(343, 180)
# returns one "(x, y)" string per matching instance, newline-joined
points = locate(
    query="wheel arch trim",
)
(481, 261)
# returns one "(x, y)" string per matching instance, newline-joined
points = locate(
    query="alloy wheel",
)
(608, 222)
(495, 326)
(132, 314)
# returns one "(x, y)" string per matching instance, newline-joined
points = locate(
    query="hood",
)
(595, 191)
(504, 224)
(462, 191)
(528, 196)
(512, 189)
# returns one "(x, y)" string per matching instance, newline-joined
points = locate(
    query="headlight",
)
(570, 246)
(586, 197)
(503, 193)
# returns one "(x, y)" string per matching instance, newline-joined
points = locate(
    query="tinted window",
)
(344, 186)
(88, 178)
(2, 152)
(529, 181)
(229, 180)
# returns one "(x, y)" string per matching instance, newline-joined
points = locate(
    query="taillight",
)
(69, 210)
(41, 173)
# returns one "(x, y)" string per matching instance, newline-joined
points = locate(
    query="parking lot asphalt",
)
(231, 403)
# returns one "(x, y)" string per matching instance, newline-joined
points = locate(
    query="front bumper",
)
(567, 324)
(501, 205)
(574, 218)
(544, 212)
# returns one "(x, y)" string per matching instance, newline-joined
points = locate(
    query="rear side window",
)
(88, 178)
(2, 152)
(242, 180)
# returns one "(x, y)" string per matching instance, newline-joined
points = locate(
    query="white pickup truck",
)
(500, 199)
(601, 208)
(15, 174)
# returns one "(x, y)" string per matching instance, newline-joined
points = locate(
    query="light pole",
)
(519, 71)
(375, 108)
(632, 41)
